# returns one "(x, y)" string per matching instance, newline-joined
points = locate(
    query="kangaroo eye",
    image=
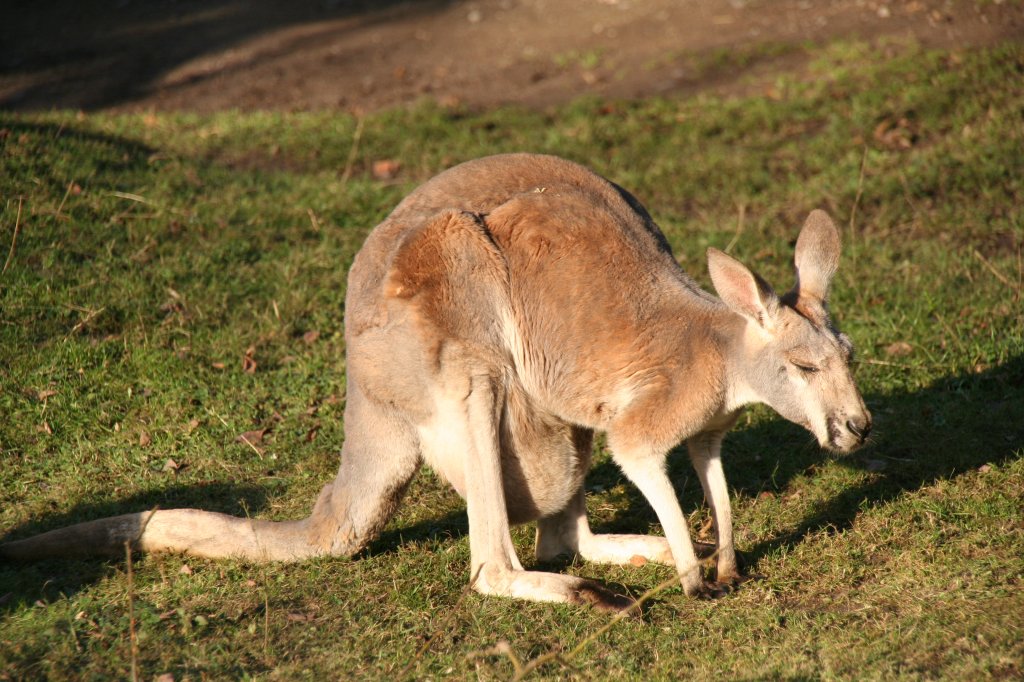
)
(805, 368)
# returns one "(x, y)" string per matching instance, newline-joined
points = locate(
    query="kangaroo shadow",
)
(954, 425)
(23, 583)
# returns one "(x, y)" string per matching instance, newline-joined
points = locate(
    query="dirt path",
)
(358, 56)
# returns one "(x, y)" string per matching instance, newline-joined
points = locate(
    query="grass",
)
(157, 257)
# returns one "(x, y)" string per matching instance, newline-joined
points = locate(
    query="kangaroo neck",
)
(739, 339)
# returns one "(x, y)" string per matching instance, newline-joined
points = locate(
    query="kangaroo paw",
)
(601, 598)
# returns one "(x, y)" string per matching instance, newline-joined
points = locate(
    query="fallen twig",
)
(543, 659)
(739, 228)
(998, 275)
(56, 216)
(90, 315)
(14, 237)
(860, 190)
(503, 648)
(240, 437)
(313, 220)
(356, 136)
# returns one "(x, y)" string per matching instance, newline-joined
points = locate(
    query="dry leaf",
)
(898, 349)
(311, 336)
(45, 428)
(895, 133)
(171, 465)
(250, 583)
(218, 365)
(637, 560)
(300, 617)
(252, 437)
(249, 362)
(185, 569)
(311, 434)
(45, 393)
(386, 169)
(166, 677)
(193, 424)
(144, 439)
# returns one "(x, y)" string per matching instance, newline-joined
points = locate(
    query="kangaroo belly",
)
(544, 459)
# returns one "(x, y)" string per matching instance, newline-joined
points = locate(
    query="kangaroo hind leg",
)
(378, 460)
(495, 568)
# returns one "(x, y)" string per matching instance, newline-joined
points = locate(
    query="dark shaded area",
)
(94, 55)
(23, 583)
(954, 426)
(28, 147)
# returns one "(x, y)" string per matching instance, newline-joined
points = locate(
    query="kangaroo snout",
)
(848, 433)
(860, 427)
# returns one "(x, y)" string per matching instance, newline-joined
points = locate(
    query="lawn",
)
(171, 282)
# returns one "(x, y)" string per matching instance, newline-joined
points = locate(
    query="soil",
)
(209, 55)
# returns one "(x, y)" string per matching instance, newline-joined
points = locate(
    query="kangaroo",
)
(501, 314)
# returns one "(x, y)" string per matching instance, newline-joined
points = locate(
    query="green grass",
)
(153, 252)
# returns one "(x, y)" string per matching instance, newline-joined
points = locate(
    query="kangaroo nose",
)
(859, 427)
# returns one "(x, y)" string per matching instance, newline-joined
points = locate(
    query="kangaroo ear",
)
(742, 290)
(817, 256)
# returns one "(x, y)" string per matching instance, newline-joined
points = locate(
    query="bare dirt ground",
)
(358, 56)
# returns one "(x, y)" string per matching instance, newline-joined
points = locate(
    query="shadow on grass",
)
(957, 424)
(954, 425)
(22, 583)
(114, 158)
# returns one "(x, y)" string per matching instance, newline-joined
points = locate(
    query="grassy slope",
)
(153, 252)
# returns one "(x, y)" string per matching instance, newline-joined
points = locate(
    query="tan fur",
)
(503, 312)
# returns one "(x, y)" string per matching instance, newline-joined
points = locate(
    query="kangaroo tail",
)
(198, 533)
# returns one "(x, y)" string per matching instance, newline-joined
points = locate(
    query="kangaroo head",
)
(788, 354)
